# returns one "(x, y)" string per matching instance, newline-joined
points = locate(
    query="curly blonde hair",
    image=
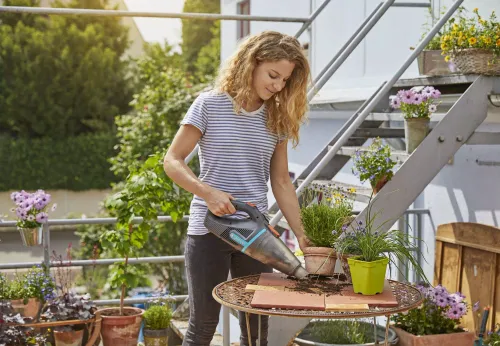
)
(286, 109)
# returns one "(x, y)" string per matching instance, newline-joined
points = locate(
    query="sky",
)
(158, 29)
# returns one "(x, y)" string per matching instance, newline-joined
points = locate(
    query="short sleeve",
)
(197, 114)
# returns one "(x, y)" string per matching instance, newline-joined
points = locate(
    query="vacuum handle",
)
(248, 208)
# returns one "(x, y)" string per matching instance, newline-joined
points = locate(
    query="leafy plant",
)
(36, 283)
(472, 32)
(416, 104)
(493, 338)
(343, 332)
(31, 208)
(157, 317)
(374, 163)
(145, 193)
(327, 209)
(69, 306)
(440, 312)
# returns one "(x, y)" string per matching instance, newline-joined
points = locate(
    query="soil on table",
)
(315, 284)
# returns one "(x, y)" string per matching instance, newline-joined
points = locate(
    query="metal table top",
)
(232, 294)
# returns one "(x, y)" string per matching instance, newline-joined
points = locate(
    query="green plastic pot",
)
(368, 277)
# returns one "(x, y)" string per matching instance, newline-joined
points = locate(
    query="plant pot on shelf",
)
(121, 330)
(31, 236)
(320, 260)
(368, 277)
(416, 129)
(452, 339)
(432, 63)
(379, 184)
(30, 309)
(156, 337)
(476, 61)
(68, 338)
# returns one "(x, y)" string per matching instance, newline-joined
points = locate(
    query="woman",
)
(242, 127)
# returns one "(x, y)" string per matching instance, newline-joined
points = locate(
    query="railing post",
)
(226, 326)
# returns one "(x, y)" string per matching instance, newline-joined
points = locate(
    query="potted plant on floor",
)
(436, 321)
(343, 332)
(325, 212)
(374, 164)
(146, 193)
(31, 211)
(68, 307)
(417, 107)
(493, 337)
(372, 251)
(156, 324)
(473, 43)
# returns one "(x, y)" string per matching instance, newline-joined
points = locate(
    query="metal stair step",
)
(397, 155)
(484, 138)
(362, 194)
(382, 132)
(435, 81)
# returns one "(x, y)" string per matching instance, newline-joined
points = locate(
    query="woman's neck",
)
(253, 104)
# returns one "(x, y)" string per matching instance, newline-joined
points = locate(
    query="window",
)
(243, 7)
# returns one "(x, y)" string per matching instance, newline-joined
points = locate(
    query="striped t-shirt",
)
(235, 153)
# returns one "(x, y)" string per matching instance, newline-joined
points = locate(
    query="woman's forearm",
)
(284, 192)
(183, 176)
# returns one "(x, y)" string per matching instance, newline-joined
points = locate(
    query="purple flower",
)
(442, 301)
(417, 99)
(453, 313)
(427, 91)
(476, 306)
(435, 94)
(42, 217)
(408, 97)
(395, 102)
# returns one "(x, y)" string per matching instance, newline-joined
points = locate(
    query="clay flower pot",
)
(320, 260)
(380, 184)
(156, 337)
(30, 309)
(69, 338)
(121, 330)
(452, 339)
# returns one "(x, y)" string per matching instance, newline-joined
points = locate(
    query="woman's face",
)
(270, 77)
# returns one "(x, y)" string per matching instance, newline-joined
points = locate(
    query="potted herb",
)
(374, 164)
(326, 211)
(146, 193)
(31, 211)
(156, 324)
(493, 337)
(68, 307)
(372, 250)
(473, 43)
(343, 332)
(436, 321)
(417, 107)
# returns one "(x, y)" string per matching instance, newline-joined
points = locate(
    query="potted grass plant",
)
(325, 212)
(417, 106)
(372, 251)
(156, 324)
(436, 321)
(343, 332)
(374, 164)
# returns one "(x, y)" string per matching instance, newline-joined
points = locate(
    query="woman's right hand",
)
(219, 202)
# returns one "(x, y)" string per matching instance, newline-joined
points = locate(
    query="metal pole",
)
(226, 331)
(130, 301)
(121, 13)
(418, 219)
(362, 116)
(46, 245)
(312, 18)
(341, 50)
(412, 4)
(349, 49)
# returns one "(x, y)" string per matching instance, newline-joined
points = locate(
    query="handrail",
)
(379, 95)
(91, 221)
(312, 17)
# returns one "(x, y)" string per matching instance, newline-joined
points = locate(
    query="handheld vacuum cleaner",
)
(256, 238)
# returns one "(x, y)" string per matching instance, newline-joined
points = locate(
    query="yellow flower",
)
(352, 190)
(486, 39)
(475, 10)
(455, 27)
(443, 46)
(447, 58)
(482, 21)
(472, 41)
(498, 42)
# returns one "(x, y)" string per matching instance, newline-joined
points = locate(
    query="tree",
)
(197, 33)
(62, 76)
(208, 62)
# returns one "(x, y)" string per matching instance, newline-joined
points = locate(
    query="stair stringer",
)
(430, 157)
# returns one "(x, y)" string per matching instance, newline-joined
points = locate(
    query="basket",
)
(475, 61)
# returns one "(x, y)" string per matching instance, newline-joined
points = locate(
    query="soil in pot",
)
(316, 284)
(320, 260)
(121, 330)
(343, 332)
(156, 337)
(68, 338)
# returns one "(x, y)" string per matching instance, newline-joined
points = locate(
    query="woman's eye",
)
(273, 77)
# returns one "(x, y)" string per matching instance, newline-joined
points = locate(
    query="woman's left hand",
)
(304, 242)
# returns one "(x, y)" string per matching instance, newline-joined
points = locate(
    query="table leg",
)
(375, 338)
(260, 330)
(247, 316)
(387, 330)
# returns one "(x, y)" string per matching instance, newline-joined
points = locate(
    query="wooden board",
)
(467, 260)
(346, 307)
(288, 300)
(384, 299)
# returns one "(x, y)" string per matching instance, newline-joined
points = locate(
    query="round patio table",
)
(232, 294)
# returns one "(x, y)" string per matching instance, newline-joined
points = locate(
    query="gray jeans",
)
(208, 261)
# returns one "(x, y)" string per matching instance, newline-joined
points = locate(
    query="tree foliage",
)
(61, 76)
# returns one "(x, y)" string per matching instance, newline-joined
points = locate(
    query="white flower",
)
(31, 218)
(432, 108)
(54, 207)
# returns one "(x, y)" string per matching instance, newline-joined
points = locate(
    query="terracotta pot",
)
(26, 310)
(453, 339)
(121, 330)
(71, 338)
(320, 260)
(380, 184)
(156, 337)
